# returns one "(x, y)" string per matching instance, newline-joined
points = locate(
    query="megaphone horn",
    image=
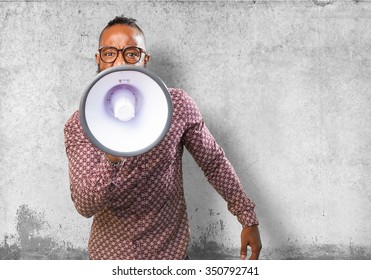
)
(126, 111)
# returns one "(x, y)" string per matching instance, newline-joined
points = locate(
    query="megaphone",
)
(126, 111)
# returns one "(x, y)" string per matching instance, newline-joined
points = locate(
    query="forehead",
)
(121, 35)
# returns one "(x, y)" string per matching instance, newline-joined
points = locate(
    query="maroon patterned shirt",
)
(139, 207)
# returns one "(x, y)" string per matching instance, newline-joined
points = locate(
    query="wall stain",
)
(212, 213)
(211, 250)
(317, 252)
(205, 246)
(9, 251)
(33, 241)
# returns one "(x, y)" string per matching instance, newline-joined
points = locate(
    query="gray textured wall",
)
(283, 85)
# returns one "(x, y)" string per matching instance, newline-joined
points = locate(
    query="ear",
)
(147, 58)
(97, 58)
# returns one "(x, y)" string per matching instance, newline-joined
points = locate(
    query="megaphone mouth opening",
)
(123, 102)
(140, 124)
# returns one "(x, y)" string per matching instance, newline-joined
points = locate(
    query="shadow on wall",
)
(32, 242)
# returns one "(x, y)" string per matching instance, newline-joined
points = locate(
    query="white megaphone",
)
(126, 111)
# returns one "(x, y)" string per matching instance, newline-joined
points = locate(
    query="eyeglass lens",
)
(131, 55)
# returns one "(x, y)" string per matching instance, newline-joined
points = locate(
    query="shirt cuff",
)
(109, 172)
(248, 218)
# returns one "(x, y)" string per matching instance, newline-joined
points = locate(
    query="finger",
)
(254, 256)
(255, 252)
(243, 252)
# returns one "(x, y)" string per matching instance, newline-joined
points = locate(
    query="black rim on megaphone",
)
(90, 135)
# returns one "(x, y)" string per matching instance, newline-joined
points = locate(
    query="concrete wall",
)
(283, 85)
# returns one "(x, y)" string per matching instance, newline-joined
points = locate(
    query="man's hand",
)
(250, 236)
(113, 159)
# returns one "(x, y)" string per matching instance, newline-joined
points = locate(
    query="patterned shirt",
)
(139, 207)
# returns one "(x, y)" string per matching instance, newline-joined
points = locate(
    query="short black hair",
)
(132, 22)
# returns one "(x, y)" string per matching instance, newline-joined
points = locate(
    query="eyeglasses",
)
(131, 55)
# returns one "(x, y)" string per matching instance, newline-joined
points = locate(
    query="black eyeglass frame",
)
(122, 51)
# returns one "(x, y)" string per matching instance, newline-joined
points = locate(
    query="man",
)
(138, 202)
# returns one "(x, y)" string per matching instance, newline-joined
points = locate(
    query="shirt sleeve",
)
(92, 177)
(216, 167)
